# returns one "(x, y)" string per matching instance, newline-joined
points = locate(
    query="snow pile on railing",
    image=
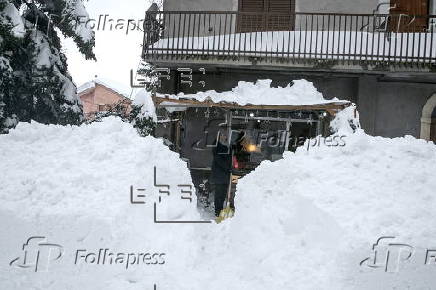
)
(301, 92)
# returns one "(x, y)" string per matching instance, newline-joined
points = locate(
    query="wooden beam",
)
(332, 108)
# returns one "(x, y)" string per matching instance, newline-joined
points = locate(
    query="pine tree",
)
(35, 83)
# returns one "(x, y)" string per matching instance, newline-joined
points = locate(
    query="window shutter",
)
(281, 6)
(252, 5)
(251, 22)
(274, 15)
(281, 15)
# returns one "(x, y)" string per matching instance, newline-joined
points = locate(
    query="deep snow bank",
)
(317, 214)
(72, 186)
(304, 222)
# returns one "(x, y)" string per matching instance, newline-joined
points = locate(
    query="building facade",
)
(340, 6)
(382, 59)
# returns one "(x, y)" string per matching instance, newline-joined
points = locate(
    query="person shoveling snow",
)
(307, 221)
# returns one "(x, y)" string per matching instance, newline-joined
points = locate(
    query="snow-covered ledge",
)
(426, 120)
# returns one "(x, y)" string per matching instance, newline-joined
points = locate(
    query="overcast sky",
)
(117, 52)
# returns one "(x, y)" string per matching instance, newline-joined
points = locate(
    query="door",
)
(413, 15)
(266, 15)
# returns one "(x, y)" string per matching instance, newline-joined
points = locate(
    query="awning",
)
(331, 107)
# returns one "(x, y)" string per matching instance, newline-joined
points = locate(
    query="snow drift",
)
(319, 212)
(72, 186)
(303, 222)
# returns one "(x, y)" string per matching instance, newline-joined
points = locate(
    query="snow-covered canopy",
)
(300, 92)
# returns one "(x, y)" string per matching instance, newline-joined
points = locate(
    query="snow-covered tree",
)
(35, 83)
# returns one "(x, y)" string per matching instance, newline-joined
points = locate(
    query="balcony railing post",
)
(431, 42)
(425, 40)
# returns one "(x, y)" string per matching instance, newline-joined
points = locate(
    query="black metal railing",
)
(341, 38)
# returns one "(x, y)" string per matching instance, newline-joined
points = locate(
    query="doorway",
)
(266, 15)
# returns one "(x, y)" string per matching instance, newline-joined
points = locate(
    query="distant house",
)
(104, 96)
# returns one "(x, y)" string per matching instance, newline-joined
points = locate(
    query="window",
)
(273, 15)
(104, 108)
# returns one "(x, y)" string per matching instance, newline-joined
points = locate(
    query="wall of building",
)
(185, 25)
(200, 5)
(340, 6)
(392, 109)
(105, 96)
(99, 96)
(337, 6)
(88, 102)
(433, 7)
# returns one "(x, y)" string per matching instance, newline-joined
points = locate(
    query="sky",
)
(117, 52)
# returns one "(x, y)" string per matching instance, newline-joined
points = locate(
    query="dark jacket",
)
(221, 165)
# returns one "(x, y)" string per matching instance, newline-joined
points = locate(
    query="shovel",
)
(228, 211)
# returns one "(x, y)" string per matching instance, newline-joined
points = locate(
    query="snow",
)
(301, 92)
(44, 56)
(14, 18)
(321, 210)
(47, 57)
(341, 45)
(303, 222)
(5, 64)
(143, 99)
(88, 159)
(10, 122)
(119, 88)
(82, 28)
(346, 121)
(72, 185)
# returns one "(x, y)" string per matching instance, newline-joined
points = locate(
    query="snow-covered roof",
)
(110, 84)
(260, 93)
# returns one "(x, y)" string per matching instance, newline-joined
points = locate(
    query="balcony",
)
(321, 40)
